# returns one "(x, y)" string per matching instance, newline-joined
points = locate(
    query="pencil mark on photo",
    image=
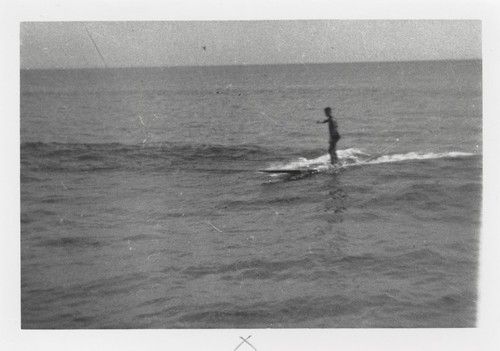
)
(245, 341)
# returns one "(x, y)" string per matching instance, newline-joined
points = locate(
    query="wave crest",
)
(356, 157)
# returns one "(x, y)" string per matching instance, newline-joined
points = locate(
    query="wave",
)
(169, 148)
(418, 156)
(197, 157)
(156, 156)
(356, 157)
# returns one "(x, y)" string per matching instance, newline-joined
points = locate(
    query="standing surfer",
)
(334, 135)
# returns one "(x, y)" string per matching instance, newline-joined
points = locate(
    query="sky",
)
(203, 43)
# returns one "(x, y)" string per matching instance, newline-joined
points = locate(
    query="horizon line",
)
(244, 65)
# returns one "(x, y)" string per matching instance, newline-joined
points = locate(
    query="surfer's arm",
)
(326, 120)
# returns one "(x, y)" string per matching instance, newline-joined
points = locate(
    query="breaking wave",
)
(356, 157)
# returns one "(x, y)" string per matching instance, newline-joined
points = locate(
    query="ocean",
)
(142, 205)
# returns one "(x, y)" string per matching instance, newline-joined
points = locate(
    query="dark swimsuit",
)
(334, 133)
(334, 138)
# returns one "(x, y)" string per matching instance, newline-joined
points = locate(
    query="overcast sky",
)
(124, 44)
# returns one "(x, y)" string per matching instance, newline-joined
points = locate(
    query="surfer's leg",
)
(333, 157)
(333, 152)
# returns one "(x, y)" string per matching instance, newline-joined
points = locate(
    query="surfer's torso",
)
(333, 129)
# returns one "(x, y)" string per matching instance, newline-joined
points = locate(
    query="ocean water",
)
(142, 207)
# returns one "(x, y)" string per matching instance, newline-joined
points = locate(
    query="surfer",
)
(334, 135)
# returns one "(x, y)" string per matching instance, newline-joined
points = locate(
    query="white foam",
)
(416, 156)
(356, 157)
(350, 153)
